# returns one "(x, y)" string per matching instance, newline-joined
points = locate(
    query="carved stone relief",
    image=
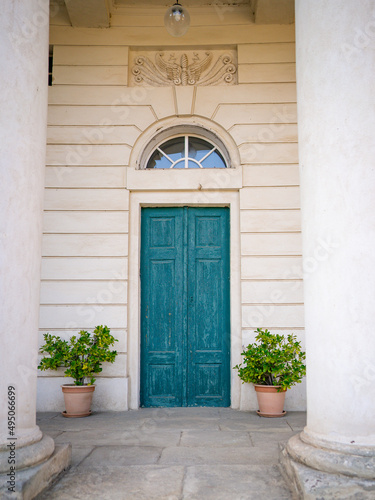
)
(183, 67)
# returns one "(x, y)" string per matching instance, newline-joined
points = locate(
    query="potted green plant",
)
(82, 356)
(274, 363)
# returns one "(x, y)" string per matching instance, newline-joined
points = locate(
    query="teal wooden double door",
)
(185, 313)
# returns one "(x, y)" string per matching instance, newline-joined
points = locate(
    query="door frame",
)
(202, 198)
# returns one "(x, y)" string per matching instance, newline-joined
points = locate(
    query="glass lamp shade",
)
(177, 20)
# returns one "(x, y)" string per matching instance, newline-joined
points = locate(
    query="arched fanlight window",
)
(186, 151)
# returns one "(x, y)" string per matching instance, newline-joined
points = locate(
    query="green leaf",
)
(82, 355)
(273, 360)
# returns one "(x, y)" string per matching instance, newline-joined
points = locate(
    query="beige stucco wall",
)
(97, 124)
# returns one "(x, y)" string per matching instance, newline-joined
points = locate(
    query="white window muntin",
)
(184, 155)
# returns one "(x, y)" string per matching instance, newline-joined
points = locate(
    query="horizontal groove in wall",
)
(86, 234)
(261, 280)
(86, 280)
(95, 125)
(117, 105)
(122, 45)
(88, 304)
(266, 142)
(80, 165)
(272, 256)
(122, 256)
(268, 186)
(244, 124)
(85, 210)
(279, 328)
(115, 328)
(248, 189)
(271, 164)
(271, 232)
(51, 210)
(66, 65)
(89, 144)
(276, 304)
(263, 142)
(104, 84)
(269, 209)
(263, 81)
(267, 63)
(257, 103)
(83, 257)
(112, 65)
(109, 105)
(268, 81)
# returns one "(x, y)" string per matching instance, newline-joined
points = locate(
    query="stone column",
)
(335, 43)
(23, 116)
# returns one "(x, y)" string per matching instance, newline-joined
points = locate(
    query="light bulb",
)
(177, 20)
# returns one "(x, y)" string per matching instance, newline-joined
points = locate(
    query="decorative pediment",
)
(183, 68)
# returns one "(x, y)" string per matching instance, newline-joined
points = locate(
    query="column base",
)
(25, 456)
(314, 472)
(28, 483)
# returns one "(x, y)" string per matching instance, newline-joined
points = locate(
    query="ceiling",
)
(96, 13)
(185, 3)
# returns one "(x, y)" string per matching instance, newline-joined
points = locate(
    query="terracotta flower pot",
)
(271, 402)
(78, 400)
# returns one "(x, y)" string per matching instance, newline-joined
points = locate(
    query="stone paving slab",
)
(270, 439)
(150, 482)
(116, 421)
(252, 422)
(171, 454)
(142, 437)
(296, 420)
(201, 455)
(79, 454)
(185, 424)
(120, 456)
(186, 412)
(215, 438)
(46, 415)
(236, 482)
(237, 414)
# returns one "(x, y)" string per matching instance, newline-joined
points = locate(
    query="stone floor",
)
(172, 454)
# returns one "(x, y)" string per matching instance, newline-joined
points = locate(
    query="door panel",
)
(161, 307)
(208, 314)
(185, 307)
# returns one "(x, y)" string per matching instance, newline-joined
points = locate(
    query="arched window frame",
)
(186, 160)
(187, 131)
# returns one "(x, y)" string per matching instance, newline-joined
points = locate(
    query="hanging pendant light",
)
(177, 20)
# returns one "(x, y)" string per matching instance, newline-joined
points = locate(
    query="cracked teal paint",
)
(185, 313)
